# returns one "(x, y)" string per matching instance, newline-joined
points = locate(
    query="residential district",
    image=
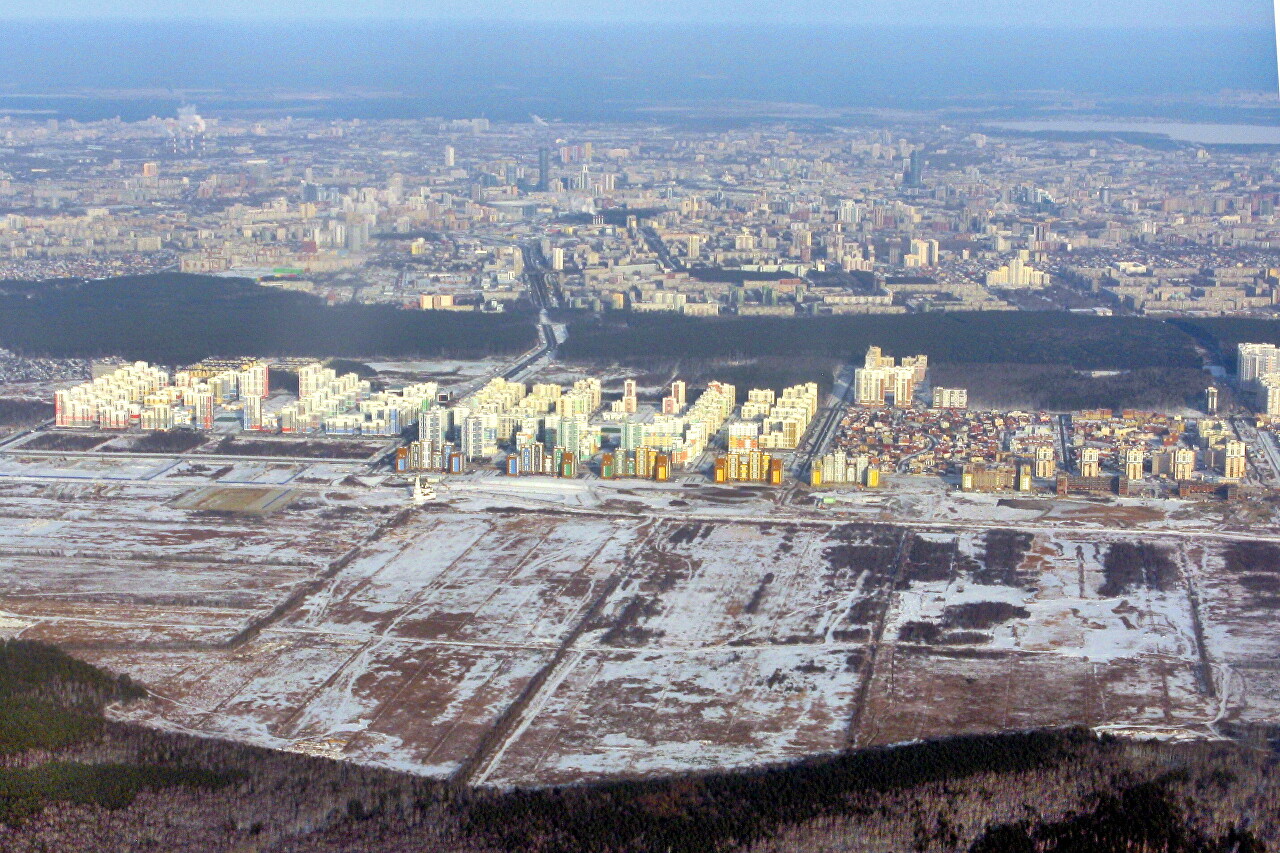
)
(885, 420)
(446, 214)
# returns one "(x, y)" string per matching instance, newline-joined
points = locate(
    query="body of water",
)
(1205, 134)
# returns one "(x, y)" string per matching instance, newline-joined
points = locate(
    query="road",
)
(196, 456)
(536, 275)
(532, 360)
(21, 434)
(1064, 443)
(904, 464)
(659, 247)
(1268, 474)
(550, 336)
(824, 425)
(544, 297)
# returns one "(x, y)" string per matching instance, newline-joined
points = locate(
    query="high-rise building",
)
(254, 380)
(1184, 462)
(433, 425)
(1046, 466)
(880, 376)
(252, 413)
(544, 169)
(1233, 463)
(480, 435)
(674, 403)
(1254, 361)
(875, 358)
(950, 398)
(868, 386)
(450, 157)
(1268, 394)
(903, 385)
(913, 177)
(924, 253)
(630, 402)
(203, 403)
(1090, 462)
(356, 235)
(1017, 273)
(1133, 463)
(577, 436)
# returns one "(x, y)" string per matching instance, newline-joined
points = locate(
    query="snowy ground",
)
(534, 631)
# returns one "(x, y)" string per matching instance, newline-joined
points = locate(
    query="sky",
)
(1003, 13)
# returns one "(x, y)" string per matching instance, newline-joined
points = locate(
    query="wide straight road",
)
(824, 425)
(543, 296)
(1266, 468)
(659, 247)
(1064, 442)
(535, 273)
(550, 340)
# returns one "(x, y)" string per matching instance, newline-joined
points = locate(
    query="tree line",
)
(1081, 341)
(171, 318)
(1061, 790)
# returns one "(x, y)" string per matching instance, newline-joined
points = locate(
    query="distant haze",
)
(600, 71)
(1008, 13)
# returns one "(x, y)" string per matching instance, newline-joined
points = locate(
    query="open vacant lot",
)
(517, 646)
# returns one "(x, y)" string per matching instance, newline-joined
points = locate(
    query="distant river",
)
(1206, 134)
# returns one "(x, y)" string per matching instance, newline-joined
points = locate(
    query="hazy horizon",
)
(1085, 14)
(607, 71)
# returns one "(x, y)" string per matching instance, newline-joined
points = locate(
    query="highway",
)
(550, 341)
(544, 297)
(825, 423)
(1064, 443)
(535, 272)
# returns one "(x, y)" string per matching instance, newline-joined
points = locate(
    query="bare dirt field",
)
(299, 448)
(511, 644)
(254, 501)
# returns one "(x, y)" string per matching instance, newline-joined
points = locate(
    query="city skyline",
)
(647, 426)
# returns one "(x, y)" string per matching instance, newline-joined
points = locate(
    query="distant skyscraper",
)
(450, 157)
(544, 169)
(914, 176)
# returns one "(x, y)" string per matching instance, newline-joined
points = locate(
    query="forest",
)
(23, 413)
(1220, 335)
(1080, 341)
(1061, 388)
(1057, 361)
(171, 318)
(79, 786)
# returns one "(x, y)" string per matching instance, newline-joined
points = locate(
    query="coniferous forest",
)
(178, 319)
(71, 780)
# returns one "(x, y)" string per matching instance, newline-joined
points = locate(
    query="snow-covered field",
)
(523, 632)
